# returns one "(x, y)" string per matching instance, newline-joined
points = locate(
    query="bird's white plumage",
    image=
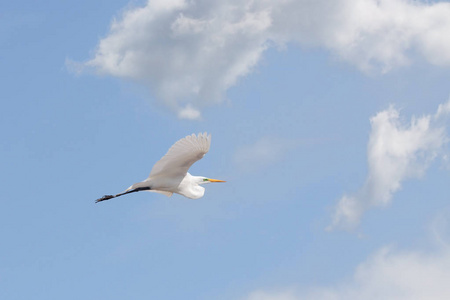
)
(182, 155)
(170, 174)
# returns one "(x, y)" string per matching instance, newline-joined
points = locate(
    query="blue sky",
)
(329, 123)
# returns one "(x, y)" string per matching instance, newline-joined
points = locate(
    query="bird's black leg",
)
(107, 197)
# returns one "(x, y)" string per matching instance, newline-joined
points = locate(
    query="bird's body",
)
(170, 174)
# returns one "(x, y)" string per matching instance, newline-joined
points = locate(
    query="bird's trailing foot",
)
(106, 197)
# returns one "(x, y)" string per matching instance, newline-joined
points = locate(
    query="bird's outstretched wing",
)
(182, 155)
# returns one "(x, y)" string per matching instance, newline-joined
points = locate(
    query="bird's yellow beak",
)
(215, 180)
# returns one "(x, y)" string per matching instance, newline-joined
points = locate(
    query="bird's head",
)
(204, 180)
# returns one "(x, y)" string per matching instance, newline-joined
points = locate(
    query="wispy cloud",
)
(388, 274)
(262, 153)
(396, 152)
(190, 52)
(279, 295)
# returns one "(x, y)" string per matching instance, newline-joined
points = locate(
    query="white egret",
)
(170, 174)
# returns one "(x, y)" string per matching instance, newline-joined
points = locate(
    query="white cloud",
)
(191, 52)
(376, 34)
(387, 275)
(263, 295)
(264, 152)
(396, 151)
(187, 52)
(189, 113)
(443, 109)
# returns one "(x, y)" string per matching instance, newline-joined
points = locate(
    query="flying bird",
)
(170, 174)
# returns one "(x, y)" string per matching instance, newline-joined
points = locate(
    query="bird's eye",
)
(205, 179)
